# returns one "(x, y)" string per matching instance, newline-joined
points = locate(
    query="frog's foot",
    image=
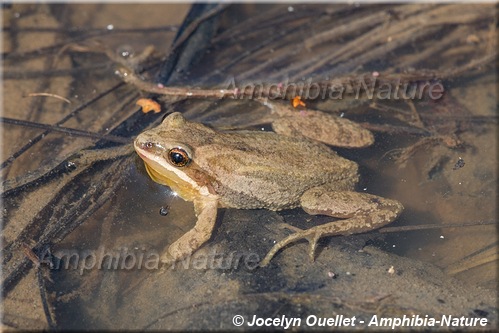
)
(311, 235)
(363, 212)
(206, 211)
(298, 234)
(289, 227)
(167, 260)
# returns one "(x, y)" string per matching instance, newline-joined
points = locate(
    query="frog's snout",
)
(143, 143)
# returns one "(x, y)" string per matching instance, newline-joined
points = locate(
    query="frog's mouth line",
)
(179, 182)
(142, 156)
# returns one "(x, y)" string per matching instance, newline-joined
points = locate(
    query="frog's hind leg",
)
(363, 212)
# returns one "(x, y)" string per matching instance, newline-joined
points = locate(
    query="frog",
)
(250, 169)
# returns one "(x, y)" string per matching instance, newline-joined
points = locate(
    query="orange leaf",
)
(297, 101)
(148, 105)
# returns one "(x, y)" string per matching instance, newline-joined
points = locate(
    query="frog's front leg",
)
(363, 212)
(206, 212)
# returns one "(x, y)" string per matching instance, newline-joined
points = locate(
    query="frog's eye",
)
(178, 157)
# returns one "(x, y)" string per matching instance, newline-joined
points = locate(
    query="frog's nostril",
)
(148, 145)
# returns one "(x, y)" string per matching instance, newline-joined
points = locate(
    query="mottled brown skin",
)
(251, 169)
(319, 126)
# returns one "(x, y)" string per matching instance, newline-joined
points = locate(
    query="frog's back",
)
(267, 170)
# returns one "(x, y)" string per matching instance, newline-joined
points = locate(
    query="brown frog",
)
(252, 170)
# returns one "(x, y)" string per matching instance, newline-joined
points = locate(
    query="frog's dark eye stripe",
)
(178, 157)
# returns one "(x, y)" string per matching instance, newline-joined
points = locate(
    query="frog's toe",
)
(167, 259)
(311, 237)
(276, 248)
(289, 227)
(164, 267)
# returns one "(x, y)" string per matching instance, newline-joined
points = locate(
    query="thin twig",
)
(50, 95)
(67, 130)
(279, 90)
(39, 137)
(47, 309)
(434, 226)
(28, 252)
(168, 28)
(174, 91)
